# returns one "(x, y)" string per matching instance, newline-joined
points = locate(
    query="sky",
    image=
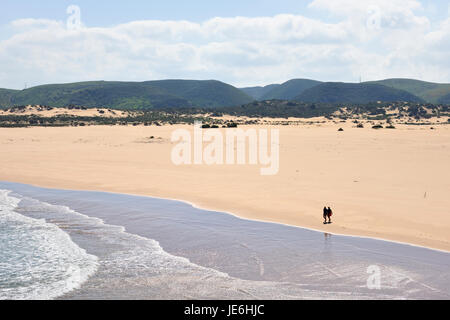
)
(244, 43)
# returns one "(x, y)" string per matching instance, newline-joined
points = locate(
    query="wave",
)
(38, 260)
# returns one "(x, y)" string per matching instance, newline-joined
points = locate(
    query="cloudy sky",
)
(240, 42)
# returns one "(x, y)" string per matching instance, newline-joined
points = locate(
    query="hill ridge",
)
(341, 92)
(129, 95)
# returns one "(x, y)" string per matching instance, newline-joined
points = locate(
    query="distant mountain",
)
(6, 96)
(130, 95)
(209, 93)
(215, 94)
(428, 91)
(444, 99)
(258, 92)
(290, 89)
(119, 95)
(338, 92)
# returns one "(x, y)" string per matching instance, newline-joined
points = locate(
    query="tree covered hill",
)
(290, 89)
(286, 91)
(428, 91)
(338, 92)
(6, 96)
(215, 94)
(258, 92)
(129, 95)
(210, 93)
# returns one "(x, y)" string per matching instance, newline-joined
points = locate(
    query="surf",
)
(38, 260)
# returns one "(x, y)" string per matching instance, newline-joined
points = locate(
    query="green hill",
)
(130, 95)
(6, 96)
(258, 92)
(444, 99)
(290, 89)
(120, 95)
(215, 94)
(337, 92)
(209, 93)
(428, 91)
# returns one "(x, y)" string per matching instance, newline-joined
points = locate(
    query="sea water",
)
(95, 245)
(37, 259)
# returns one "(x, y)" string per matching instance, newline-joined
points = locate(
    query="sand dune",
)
(390, 184)
(47, 112)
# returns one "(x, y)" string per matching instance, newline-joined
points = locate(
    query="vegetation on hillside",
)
(6, 97)
(129, 95)
(185, 94)
(258, 92)
(290, 89)
(444, 99)
(428, 91)
(337, 92)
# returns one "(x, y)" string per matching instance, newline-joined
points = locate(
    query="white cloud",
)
(239, 50)
(351, 6)
(35, 24)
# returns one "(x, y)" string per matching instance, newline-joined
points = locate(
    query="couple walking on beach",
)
(327, 213)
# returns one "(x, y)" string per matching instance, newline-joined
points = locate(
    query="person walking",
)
(329, 214)
(325, 215)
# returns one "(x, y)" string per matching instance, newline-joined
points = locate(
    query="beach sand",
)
(389, 184)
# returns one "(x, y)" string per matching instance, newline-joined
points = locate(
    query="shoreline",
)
(194, 205)
(211, 254)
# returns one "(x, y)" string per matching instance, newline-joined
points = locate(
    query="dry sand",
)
(46, 112)
(390, 184)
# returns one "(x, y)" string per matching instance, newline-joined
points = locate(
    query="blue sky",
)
(336, 40)
(105, 13)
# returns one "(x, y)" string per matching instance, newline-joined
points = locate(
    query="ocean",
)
(61, 244)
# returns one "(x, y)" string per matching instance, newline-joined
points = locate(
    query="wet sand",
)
(160, 249)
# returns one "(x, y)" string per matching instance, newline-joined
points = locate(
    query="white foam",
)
(38, 260)
(142, 246)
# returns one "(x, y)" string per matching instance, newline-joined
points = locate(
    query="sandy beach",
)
(389, 184)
